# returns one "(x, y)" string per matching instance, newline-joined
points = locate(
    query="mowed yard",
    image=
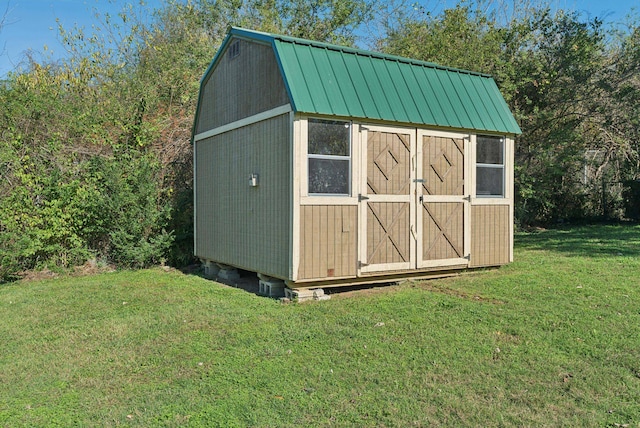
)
(550, 340)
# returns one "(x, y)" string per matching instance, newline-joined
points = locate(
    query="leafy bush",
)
(41, 215)
(130, 214)
(62, 212)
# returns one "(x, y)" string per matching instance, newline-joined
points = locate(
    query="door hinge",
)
(361, 197)
(468, 257)
(467, 198)
(361, 265)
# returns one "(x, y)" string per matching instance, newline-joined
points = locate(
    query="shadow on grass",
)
(248, 281)
(585, 241)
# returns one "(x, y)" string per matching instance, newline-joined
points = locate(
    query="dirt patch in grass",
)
(439, 288)
(91, 267)
(360, 290)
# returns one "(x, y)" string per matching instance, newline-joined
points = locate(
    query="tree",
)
(96, 155)
(458, 37)
(552, 68)
(3, 20)
(176, 51)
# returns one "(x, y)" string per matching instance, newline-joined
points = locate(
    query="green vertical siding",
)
(243, 226)
(237, 88)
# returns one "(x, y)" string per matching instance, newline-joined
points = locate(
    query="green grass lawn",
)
(552, 339)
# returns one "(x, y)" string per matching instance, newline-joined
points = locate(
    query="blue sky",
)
(31, 24)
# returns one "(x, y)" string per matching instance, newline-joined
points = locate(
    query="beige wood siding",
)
(386, 211)
(247, 227)
(239, 87)
(490, 243)
(443, 165)
(388, 237)
(443, 210)
(327, 241)
(443, 230)
(388, 163)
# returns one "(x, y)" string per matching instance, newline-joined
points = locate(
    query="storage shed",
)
(322, 165)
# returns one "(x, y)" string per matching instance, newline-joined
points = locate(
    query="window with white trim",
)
(329, 157)
(490, 178)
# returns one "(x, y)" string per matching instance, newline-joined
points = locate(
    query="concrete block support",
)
(271, 287)
(228, 273)
(210, 269)
(302, 295)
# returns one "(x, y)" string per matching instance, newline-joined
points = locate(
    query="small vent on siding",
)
(234, 50)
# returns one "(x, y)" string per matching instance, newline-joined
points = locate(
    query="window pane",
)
(328, 137)
(489, 150)
(489, 181)
(329, 176)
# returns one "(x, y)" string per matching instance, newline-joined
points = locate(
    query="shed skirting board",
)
(244, 122)
(373, 278)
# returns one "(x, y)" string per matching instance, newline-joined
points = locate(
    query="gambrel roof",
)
(327, 79)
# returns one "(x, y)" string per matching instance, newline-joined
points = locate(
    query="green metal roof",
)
(334, 80)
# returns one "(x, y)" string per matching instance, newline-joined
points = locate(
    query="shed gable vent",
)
(234, 50)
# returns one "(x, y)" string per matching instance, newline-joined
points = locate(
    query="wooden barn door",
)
(387, 201)
(414, 205)
(443, 200)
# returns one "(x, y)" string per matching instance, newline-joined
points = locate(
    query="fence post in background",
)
(604, 199)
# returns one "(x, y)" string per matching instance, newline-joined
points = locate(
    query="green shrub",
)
(60, 213)
(131, 214)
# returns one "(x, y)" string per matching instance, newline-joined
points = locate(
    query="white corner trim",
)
(244, 122)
